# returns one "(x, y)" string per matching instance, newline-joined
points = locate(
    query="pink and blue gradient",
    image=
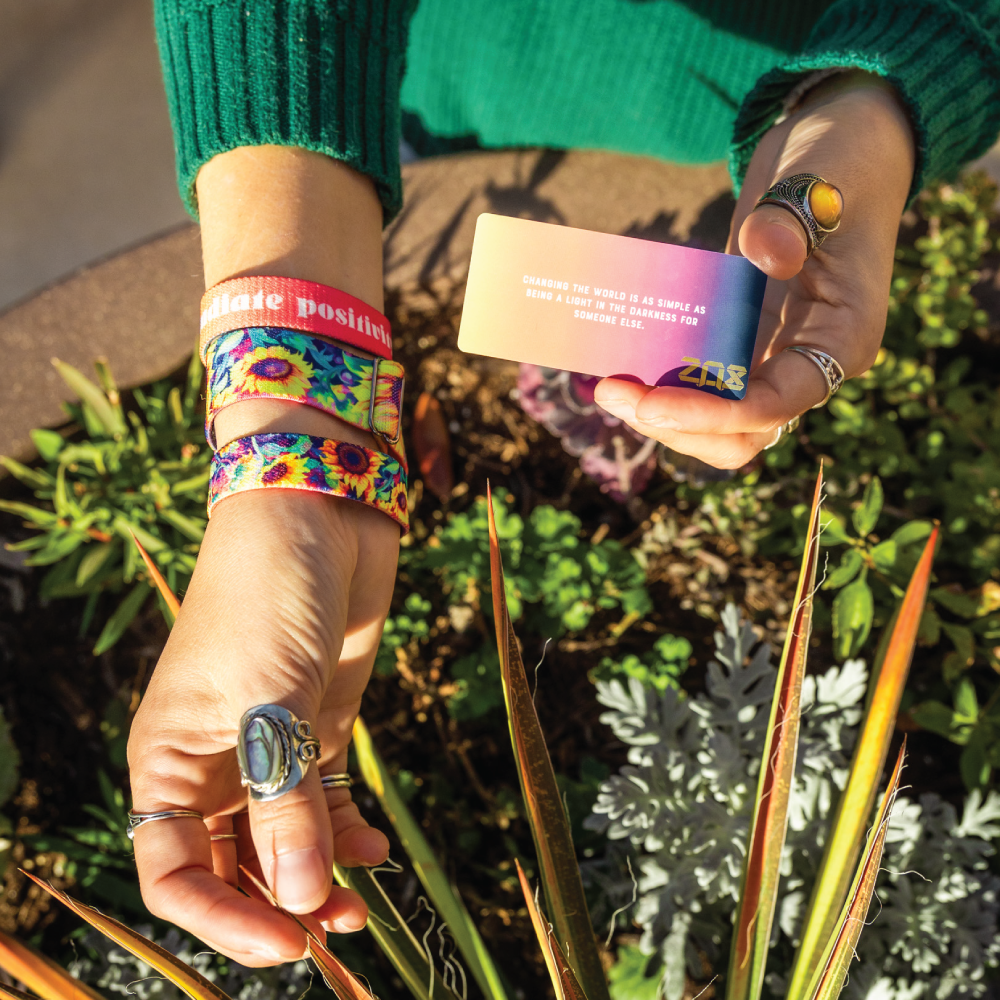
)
(509, 314)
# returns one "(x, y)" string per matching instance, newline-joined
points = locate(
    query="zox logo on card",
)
(611, 305)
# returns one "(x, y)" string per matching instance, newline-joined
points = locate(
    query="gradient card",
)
(611, 305)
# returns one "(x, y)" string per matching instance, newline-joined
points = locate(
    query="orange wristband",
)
(293, 304)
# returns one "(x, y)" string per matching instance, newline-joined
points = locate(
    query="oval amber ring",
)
(815, 202)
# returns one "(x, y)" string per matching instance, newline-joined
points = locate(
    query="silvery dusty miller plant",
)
(683, 803)
(116, 971)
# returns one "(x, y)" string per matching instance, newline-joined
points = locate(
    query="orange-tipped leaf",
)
(856, 803)
(9, 993)
(40, 974)
(831, 973)
(173, 606)
(755, 915)
(558, 867)
(179, 973)
(565, 984)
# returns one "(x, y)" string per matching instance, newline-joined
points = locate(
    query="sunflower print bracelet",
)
(274, 363)
(305, 462)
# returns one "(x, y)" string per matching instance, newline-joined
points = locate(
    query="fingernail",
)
(268, 954)
(667, 423)
(616, 407)
(344, 926)
(298, 876)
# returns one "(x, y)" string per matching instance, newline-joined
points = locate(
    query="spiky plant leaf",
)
(172, 605)
(858, 799)
(755, 914)
(107, 412)
(412, 960)
(443, 896)
(550, 829)
(40, 974)
(831, 972)
(179, 973)
(9, 993)
(335, 974)
(564, 982)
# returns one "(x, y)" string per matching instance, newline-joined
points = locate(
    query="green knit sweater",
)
(684, 80)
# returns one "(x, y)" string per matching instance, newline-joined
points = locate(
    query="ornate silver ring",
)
(274, 751)
(827, 364)
(341, 780)
(135, 820)
(785, 428)
(816, 203)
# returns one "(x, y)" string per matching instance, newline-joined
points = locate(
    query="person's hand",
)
(286, 606)
(852, 132)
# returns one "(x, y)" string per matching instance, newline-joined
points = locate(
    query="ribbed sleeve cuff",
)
(309, 73)
(943, 61)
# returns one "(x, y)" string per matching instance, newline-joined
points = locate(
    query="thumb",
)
(774, 240)
(291, 832)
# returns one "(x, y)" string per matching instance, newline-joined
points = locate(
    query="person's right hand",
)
(286, 606)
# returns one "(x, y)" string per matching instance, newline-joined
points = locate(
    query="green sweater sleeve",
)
(323, 75)
(942, 56)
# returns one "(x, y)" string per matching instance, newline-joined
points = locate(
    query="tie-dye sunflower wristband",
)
(300, 365)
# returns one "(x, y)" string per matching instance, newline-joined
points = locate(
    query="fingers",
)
(775, 241)
(174, 858)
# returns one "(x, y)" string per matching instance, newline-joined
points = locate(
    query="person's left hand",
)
(851, 131)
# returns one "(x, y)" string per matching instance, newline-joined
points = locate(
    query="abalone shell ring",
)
(135, 820)
(274, 751)
(827, 364)
(816, 203)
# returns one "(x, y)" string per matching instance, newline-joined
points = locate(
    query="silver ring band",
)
(341, 780)
(135, 820)
(793, 195)
(827, 364)
(785, 428)
(274, 751)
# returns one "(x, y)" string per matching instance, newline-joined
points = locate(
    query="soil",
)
(56, 694)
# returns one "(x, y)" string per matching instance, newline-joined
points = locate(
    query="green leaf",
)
(974, 764)
(92, 561)
(930, 628)
(833, 532)
(766, 841)
(883, 555)
(855, 807)
(850, 562)
(123, 616)
(129, 530)
(627, 978)
(867, 514)
(964, 641)
(109, 416)
(911, 532)
(59, 545)
(193, 528)
(43, 518)
(37, 479)
(444, 897)
(853, 610)
(938, 718)
(963, 605)
(547, 820)
(966, 703)
(48, 443)
(393, 935)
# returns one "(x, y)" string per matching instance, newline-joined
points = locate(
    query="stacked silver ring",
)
(827, 364)
(136, 819)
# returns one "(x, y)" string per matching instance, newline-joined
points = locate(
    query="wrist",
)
(265, 416)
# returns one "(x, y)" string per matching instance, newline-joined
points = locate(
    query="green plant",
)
(936, 929)
(139, 471)
(559, 581)
(660, 667)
